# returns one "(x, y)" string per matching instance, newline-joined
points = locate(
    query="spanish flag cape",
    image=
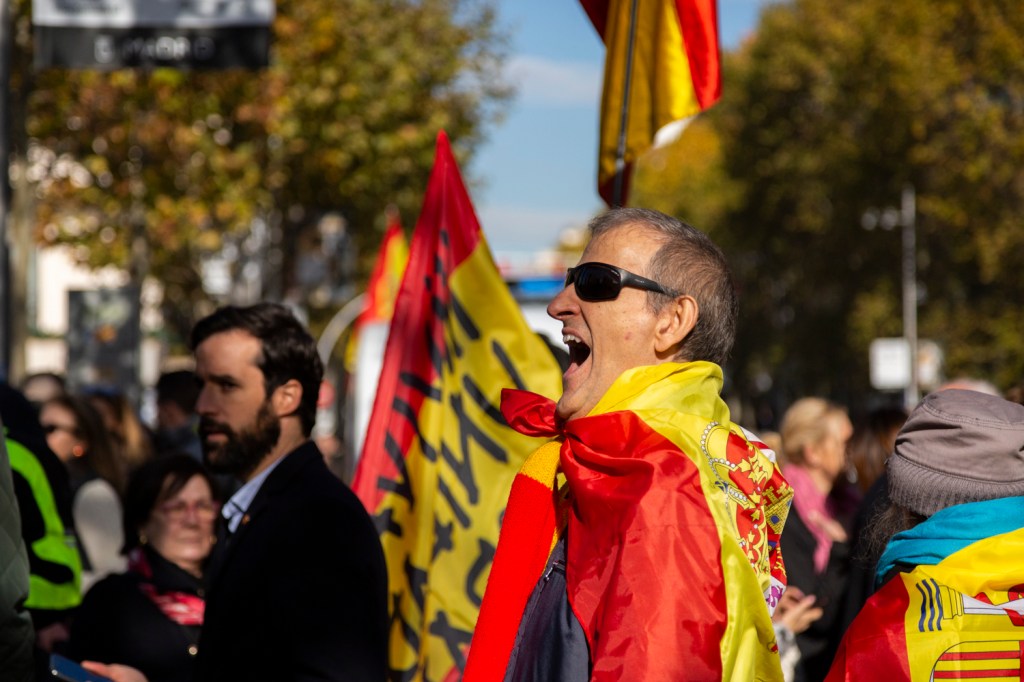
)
(673, 521)
(960, 619)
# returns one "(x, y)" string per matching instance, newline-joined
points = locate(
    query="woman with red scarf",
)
(149, 617)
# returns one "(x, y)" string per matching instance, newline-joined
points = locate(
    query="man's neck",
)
(286, 443)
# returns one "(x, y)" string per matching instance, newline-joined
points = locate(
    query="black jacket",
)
(819, 642)
(299, 591)
(16, 635)
(118, 623)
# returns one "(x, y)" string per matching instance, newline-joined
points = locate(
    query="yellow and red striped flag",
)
(674, 73)
(386, 278)
(382, 287)
(961, 619)
(673, 526)
(438, 458)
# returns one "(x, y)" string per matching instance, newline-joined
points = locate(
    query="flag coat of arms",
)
(961, 619)
(671, 73)
(439, 459)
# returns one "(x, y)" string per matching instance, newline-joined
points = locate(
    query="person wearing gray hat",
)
(952, 581)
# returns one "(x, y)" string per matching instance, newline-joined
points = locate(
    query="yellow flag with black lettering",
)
(439, 459)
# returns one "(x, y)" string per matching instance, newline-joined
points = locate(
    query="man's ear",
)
(675, 322)
(287, 398)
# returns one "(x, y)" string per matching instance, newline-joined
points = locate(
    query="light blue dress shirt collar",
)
(239, 503)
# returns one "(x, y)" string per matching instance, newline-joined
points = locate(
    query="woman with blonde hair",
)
(814, 544)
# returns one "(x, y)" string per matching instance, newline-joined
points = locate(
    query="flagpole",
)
(337, 326)
(620, 152)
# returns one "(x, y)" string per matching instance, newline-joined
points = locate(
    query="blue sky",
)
(536, 174)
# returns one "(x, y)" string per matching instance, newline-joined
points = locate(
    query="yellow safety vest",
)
(58, 544)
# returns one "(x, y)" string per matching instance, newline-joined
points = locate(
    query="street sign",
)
(889, 361)
(188, 34)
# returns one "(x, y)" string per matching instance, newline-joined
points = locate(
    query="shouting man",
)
(642, 542)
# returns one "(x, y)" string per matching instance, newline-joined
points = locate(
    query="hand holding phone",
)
(66, 670)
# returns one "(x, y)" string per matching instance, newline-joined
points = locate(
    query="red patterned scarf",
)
(181, 607)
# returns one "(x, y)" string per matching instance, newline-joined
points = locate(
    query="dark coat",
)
(16, 635)
(863, 557)
(118, 623)
(299, 591)
(819, 642)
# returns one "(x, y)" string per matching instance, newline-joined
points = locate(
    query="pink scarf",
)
(811, 504)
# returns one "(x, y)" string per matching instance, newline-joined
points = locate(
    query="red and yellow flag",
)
(673, 518)
(386, 278)
(382, 287)
(962, 619)
(438, 458)
(674, 73)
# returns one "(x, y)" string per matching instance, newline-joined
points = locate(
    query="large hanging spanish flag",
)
(385, 280)
(438, 458)
(962, 619)
(673, 517)
(673, 72)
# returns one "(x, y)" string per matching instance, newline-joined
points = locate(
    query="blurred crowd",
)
(136, 504)
(837, 528)
(142, 509)
(215, 543)
(117, 522)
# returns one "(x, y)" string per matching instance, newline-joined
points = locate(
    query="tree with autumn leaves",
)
(155, 170)
(827, 112)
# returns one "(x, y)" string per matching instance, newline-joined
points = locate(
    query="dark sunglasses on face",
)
(603, 282)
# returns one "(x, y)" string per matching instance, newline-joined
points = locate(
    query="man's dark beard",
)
(242, 452)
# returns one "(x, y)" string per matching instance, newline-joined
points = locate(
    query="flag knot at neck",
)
(531, 414)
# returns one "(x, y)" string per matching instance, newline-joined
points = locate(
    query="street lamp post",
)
(906, 218)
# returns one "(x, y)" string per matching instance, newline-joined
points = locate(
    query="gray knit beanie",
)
(958, 446)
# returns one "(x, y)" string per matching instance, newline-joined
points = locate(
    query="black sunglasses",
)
(603, 282)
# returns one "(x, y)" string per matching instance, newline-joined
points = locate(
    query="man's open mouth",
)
(578, 351)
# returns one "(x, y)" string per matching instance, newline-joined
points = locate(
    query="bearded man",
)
(298, 585)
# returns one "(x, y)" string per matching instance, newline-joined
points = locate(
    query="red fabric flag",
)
(962, 618)
(438, 458)
(382, 287)
(674, 73)
(446, 205)
(673, 518)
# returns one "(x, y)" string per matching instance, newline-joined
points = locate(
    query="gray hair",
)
(689, 262)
